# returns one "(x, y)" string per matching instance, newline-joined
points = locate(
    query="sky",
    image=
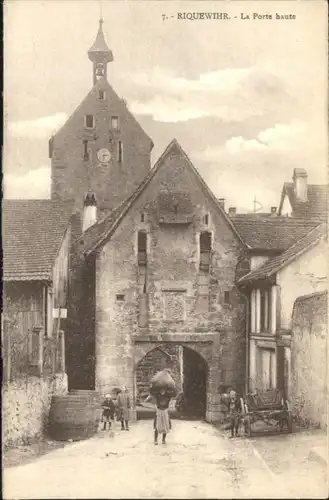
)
(245, 98)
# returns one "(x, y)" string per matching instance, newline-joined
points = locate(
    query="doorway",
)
(195, 374)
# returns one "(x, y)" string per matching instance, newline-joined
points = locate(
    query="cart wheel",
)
(247, 426)
(289, 422)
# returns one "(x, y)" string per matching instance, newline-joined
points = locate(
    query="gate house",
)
(154, 267)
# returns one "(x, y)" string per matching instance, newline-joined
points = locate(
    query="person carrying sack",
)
(162, 390)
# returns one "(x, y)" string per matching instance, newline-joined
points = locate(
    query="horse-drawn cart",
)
(269, 407)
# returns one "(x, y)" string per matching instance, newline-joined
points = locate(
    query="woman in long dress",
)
(162, 423)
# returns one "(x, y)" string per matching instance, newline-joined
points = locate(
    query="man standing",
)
(123, 404)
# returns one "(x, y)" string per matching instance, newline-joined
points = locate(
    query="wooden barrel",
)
(73, 416)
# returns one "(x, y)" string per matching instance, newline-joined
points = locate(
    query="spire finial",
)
(100, 54)
(100, 12)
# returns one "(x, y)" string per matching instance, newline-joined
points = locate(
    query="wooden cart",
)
(269, 407)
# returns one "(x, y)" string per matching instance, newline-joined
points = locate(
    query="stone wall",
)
(26, 405)
(112, 182)
(309, 359)
(209, 302)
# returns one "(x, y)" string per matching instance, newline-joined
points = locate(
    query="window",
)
(89, 121)
(205, 251)
(85, 151)
(206, 219)
(101, 95)
(227, 298)
(120, 152)
(142, 248)
(114, 122)
(120, 297)
(142, 218)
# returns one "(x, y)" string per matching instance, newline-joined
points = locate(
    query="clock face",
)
(104, 155)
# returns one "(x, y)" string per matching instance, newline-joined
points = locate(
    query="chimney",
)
(89, 211)
(222, 202)
(273, 210)
(232, 211)
(300, 184)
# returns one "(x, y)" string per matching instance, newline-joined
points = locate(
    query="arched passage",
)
(195, 381)
(190, 371)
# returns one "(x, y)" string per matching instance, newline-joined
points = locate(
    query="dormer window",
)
(89, 121)
(114, 122)
(205, 251)
(101, 95)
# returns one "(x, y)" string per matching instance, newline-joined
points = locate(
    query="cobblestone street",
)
(197, 462)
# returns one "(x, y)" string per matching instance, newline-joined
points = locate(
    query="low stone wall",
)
(25, 407)
(309, 360)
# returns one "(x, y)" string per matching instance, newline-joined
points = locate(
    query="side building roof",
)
(274, 265)
(32, 232)
(316, 206)
(271, 233)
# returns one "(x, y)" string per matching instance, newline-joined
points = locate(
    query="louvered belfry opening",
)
(205, 251)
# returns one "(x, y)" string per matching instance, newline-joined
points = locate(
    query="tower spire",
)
(99, 54)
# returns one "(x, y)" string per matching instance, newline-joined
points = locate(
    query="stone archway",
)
(191, 363)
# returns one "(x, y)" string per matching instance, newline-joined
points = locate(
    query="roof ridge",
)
(158, 164)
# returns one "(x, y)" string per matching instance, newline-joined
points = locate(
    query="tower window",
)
(120, 297)
(85, 151)
(120, 152)
(101, 95)
(205, 251)
(89, 121)
(227, 298)
(114, 122)
(142, 248)
(206, 219)
(142, 217)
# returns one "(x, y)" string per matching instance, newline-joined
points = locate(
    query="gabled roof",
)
(270, 233)
(102, 84)
(32, 233)
(274, 265)
(98, 234)
(315, 207)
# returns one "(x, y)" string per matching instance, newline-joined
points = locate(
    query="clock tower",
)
(101, 148)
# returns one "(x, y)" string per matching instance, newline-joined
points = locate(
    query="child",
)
(234, 410)
(108, 411)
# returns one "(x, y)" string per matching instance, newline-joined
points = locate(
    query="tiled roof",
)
(98, 233)
(274, 265)
(32, 232)
(316, 206)
(270, 233)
